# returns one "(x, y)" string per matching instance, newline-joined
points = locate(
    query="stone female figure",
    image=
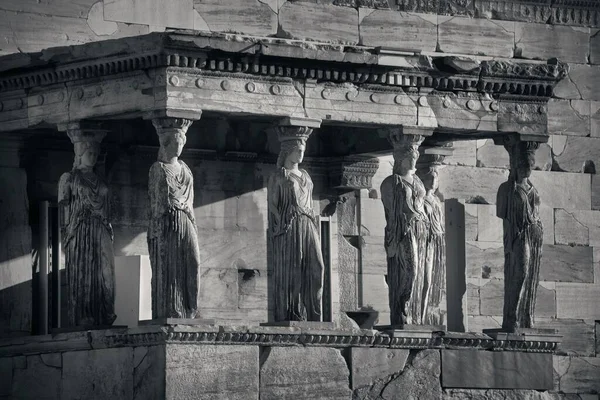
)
(172, 234)
(294, 234)
(518, 204)
(88, 236)
(435, 252)
(403, 196)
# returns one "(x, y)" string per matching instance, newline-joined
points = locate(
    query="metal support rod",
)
(43, 266)
(56, 252)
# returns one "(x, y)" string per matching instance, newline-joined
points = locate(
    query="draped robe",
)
(89, 256)
(519, 207)
(405, 235)
(435, 263)
(296, 249)
(173, 242)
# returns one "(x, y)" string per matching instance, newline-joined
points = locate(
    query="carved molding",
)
(222, 335)
(354, 172)
(563, 12)
(237, 64)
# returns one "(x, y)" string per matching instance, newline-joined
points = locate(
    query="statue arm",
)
(64, 198)
(273, 194)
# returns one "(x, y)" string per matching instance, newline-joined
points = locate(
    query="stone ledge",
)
(263, 336)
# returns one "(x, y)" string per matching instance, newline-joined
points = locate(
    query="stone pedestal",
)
(177, 321)
(240, 362)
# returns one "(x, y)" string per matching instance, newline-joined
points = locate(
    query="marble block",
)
(496, 370)
(369, 364)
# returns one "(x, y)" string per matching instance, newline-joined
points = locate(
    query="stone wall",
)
(270, 363)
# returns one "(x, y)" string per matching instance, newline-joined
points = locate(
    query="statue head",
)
(522, 159)
(406, 151)
(430, 179)
(171, 144)
(171, 136)
(293, 144)
(86, 144)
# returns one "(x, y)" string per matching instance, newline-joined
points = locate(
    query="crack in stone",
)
(576, 87)
(586, 228)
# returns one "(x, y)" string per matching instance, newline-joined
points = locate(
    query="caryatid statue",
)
(87, 234)
(403, 197)
(294, 233)
(518, 204)
(434, 286)
(172, 234)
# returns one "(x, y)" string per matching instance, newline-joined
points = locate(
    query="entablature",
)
(232, 74)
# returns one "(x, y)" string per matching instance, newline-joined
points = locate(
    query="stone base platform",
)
(177, 321)
(182, 361)
(86, 328)
(302, 324)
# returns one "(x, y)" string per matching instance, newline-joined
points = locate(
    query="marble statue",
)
(294, 234)
(403, 196)
(434, 286)
(172, 234)
(518, 204)
(87, 235)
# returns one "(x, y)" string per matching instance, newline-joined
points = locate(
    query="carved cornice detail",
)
(563, 12)
(495, 77)
(354, 172)
(333, 339)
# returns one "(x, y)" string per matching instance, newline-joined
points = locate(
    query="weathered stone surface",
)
(579, 154)
(489, 226)
(232, 249)
(475, 185)
(321, 22)
(15, 254)
(149, 372)
(484, 259)
(542, 42)
(105, 373)
(545, 301)
(370, 364)
(577, 227)
(374, 258)
(597, 338)
(582, 82)
(218, 288)
(496, 370)
(372, 221)
(498, 394)
(348, 268)
(375, 292)
(595, 192)
(547, 217)
(471, 222)
(464, 153)
(208, 372)
(305, 372)
(594, 46)
(569, 117)
(476, 36)
(347, 217)
(37, 381)
(577, 374)
(566, 264)
(253, 289)
(492, 297)
(477, 323)
(563, 190)
(577, 300)
(595, 118)
(393, 29)
(577, 336)
(419, 380)
(151, 13)
(249, 17)
(473, 299)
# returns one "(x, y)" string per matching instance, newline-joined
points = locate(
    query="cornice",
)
(557, 12)
(264, 336)
(225, 59)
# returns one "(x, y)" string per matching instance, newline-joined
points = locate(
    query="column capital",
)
(300, 122)
(84, 131)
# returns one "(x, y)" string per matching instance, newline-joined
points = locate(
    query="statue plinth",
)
(177, 321)
(410, 330)
(83, 328)
(301, 324)
(524, 334)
